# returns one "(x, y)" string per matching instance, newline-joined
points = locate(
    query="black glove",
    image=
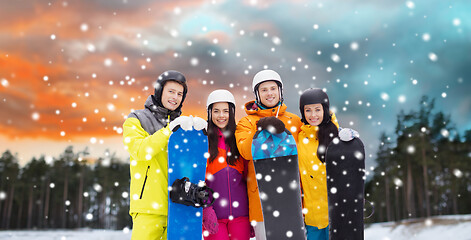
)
(189, 194)
(271, 124)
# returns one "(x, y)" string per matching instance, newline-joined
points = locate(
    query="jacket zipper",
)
(143, 185)
(229, 188)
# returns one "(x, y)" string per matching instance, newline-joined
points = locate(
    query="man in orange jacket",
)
(268, 112)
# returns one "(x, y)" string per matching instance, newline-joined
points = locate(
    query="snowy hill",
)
(456, 227)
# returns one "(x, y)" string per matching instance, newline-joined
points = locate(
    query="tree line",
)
(423, 168)
(72, 191)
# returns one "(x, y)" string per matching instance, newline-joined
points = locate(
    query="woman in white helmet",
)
(226, 173)
(266, 112)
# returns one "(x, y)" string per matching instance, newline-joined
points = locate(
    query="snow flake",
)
(428, 222)
(125, 195)
(384, 96)
(426, 37)
(5, 82)
(263, 196)
(398, 182)
(456, 22)
(3, 195)
(410, 4)
(333, 190)
(194, 62)
(354, 46)
(84, 27)
(107, 62)
(279, 190)
(458, 173)
(276, 213)
(444, 95)
(91, 48)
(267, 178)
(35, 116)
(433, 57)
(276, 40)
(335, 58)
(402, 99)
(293, 185)
(411, 149)
(445, 133)
(289, 234)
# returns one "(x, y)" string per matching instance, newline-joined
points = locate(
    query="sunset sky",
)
(71, 71)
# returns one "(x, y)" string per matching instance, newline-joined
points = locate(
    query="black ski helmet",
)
(314, 96)
(170, 75)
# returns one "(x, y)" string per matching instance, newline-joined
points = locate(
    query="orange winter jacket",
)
(246, 129)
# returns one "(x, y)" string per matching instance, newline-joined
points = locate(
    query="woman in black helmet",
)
(319, 129)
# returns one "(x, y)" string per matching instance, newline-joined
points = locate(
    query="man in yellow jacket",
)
(267, 112)
(146, 133)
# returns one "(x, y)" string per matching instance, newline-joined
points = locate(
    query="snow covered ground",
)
(456, 227)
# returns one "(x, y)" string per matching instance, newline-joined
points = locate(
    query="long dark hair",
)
(327, 132)
(233, 155)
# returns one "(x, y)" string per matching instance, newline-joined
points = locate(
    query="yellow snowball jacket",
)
(313, 177)
(146, 135)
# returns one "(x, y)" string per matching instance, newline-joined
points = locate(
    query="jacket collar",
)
(160, 112)
(251, 108)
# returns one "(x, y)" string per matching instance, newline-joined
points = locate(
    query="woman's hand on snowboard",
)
(347, 134)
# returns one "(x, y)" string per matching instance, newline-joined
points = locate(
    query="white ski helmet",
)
(220, 95)
(266, 75)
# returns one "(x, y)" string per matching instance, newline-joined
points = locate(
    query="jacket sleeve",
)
(244, 134)
(140, 145)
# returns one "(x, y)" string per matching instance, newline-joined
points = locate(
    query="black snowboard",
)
(275, 159)
(345, 165)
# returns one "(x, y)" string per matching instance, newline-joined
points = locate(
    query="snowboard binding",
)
(187, 193)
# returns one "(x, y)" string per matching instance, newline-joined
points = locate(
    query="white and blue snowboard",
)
(276, 165)
(186, 158)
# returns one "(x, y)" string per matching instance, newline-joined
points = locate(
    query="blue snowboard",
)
(276, 165)
(186, 158)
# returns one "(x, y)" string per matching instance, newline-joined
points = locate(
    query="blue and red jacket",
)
(230, 182)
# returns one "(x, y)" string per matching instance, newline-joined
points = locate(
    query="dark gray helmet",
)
(313, 96)
(169, 75)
